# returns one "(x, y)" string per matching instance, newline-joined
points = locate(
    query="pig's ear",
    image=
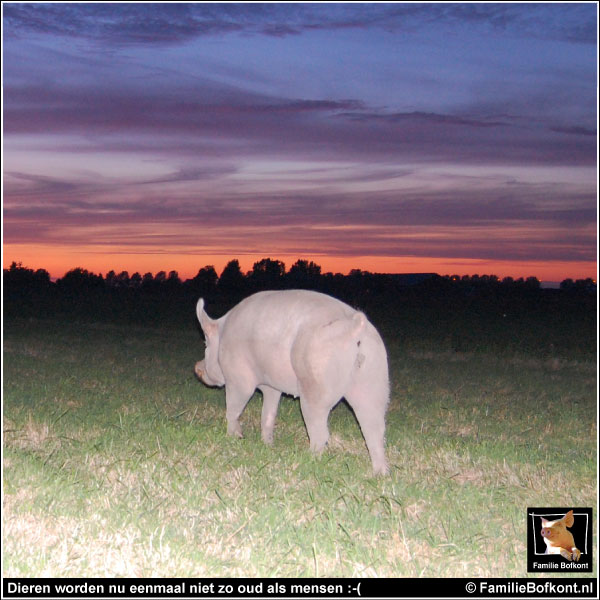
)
(569, 519)
(209, 326)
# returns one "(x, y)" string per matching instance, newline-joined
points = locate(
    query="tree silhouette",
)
(304, 274)
(231, 280)
(111, 279)
(580, 285)
(173, 279)
(205, 281)
(79, 279)
(267, 274)
(18, 275)
(136, 280)
(147, 280)
(123, 279)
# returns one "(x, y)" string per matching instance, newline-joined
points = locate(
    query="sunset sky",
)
(449, 138)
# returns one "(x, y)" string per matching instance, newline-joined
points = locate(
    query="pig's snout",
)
(199, 370)
(203, 376)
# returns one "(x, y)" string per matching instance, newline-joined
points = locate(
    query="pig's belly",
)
(282, 379)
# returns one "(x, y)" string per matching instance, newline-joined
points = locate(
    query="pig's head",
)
(555, 529)
(208, 369)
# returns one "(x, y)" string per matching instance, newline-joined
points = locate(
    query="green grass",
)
(117, 463)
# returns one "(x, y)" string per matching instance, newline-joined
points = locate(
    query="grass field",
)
(117, 463)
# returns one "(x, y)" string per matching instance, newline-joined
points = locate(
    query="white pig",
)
(305, 344)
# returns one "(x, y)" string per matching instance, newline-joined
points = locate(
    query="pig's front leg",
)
(271, 398)
(236, 398)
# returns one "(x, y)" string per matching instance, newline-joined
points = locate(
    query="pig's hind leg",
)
(315, 411)
(372, 424)
(368, 398)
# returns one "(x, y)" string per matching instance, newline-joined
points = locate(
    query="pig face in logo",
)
(558, 539)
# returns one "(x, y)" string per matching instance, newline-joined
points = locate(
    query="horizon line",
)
(54, 278)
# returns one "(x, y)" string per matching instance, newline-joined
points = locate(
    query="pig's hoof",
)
(318, 447)
(576, 554)
(381, 470)
(268, 439)
(235, 431)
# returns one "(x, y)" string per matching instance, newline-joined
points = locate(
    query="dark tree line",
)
(454, 313)
(156, 297)
(265, 274)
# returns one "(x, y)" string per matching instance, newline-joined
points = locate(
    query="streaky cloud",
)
(575, 130)
(172, 23)
(423, 117)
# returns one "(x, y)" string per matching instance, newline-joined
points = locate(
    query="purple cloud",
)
(271, 125)
(575, 130)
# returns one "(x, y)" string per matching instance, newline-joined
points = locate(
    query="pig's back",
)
(280, 314)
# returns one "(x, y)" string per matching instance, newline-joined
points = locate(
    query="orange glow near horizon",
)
(58, 261)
